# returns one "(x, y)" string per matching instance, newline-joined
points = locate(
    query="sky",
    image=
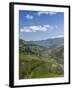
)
(40, 25)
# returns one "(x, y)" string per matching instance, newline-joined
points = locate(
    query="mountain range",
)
(48, 42)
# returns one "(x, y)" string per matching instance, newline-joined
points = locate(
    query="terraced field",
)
(34, 63)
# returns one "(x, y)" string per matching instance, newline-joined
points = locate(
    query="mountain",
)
(49, 42)
(43, 46)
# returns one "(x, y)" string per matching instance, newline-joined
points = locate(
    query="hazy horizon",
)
(43, 39)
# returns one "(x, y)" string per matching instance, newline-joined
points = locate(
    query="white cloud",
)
(57, 36)
(37, 28)
(25, 30)
(56, 26)
(42, 12)
(29, 16)
(46, 13)
(48, 26)
(52, 13)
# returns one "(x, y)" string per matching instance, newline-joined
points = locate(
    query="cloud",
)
(52, 13)
(38, 28)
(46, 13)
(49, 26)
(40, 13)
(29, 16)
(58, 36)
(56, 26)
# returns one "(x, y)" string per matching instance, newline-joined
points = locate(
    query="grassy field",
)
(49, 75)
(32, 66)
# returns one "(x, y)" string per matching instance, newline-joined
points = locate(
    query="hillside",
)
(41, 59)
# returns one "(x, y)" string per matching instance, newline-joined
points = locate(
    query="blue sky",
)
(40, 25)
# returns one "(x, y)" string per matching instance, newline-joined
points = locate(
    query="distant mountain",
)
(50, 42)
(43, 46)
(26, 43)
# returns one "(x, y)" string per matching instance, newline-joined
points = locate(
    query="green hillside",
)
(37, 61)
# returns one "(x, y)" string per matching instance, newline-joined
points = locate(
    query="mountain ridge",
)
(48, 42)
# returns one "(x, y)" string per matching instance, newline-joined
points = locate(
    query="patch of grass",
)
(33, 66)
(46, 58)
(50, 75)
(37, 69)
(28, 57)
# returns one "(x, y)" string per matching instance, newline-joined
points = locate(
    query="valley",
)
(41, 59)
